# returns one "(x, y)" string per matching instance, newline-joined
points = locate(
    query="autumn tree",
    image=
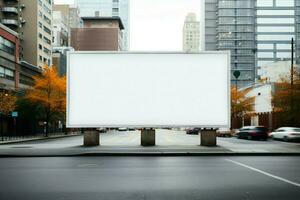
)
(49, 91)
(7, 102)
(241, 104)
(286, 99)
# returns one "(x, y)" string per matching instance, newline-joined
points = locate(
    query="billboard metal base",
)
(148, 137)
(91, 138)
(208, 138)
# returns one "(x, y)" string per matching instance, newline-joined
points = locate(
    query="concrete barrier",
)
(91, 138)
(208, 138)
(148, 137)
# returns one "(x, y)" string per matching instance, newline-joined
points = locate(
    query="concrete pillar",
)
(91, 138)
(208, 138)
(148, 137)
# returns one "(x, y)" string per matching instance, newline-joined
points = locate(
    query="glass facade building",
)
(257, 32)
(108, 8)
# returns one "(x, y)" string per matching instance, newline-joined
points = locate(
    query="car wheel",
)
(285, 139)
(249, 137)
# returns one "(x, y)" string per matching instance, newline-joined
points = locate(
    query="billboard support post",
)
(208, 137)
(148, 137)
(91, 138)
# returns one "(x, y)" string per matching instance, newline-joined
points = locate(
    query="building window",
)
(47, 51)
(40, 36)
(40, 47)
(47, 40)
(40, 25)
(1, 71)
(47, 30)
(47, 19)
(7, 73)
(7, 46)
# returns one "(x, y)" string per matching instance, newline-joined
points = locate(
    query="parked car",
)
(253, 132)
(122, 129)
(286, 134)
(193, 131)
(224, 132)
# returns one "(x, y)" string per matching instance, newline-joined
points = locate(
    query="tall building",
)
(108, 8)
(257, 32)
(71, 14)
(191, 33)
(61, 29)
(14, 74)
(32, 20)
(98, 34)
(230, 25)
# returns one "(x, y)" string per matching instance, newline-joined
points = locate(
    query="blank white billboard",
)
(114, 89)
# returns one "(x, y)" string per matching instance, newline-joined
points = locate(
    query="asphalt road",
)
(122, 178)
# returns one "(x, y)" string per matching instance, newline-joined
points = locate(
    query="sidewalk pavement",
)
(17, 140)
(169, 143)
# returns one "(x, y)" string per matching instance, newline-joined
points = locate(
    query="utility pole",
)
(292, 83)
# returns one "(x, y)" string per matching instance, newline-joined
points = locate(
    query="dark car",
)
(193, 131)
(253, 132)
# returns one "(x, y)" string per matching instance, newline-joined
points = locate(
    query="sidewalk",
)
(169, 143)
(20, 139)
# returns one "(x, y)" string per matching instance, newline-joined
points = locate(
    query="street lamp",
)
(236, 74)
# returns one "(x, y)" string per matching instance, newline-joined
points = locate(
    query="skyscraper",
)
(108, 8)
(32, 20)
(191, 33)
(230, 25)
(257, 32)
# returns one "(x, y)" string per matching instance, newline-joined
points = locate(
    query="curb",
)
(36, 139)
(156, 154)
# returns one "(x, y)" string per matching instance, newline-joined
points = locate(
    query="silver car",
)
(286, 133)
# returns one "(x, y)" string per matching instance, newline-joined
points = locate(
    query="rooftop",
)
(106, 19)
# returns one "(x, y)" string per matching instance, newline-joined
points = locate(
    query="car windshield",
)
(261, 128)
(296, 129)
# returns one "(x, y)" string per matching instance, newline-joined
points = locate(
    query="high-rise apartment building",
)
(108, 8)
(71, 14)
(32, 20)
(191, 33)
(257, 32)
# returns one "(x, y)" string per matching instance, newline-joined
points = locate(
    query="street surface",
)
(132, 178)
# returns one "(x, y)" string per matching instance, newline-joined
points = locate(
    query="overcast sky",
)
(156, 25)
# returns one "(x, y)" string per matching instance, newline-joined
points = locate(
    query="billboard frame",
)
(227, 53)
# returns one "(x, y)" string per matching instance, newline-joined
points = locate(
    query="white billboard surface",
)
(113, 89)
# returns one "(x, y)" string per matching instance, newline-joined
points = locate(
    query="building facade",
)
(71, 14)
(230, 25)
(108, 8)
(14, 75)
(98, 34)
(191, 33)
(61, 29)
(32, 20)
(257, 32)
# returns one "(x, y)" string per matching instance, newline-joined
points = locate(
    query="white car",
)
(286, 133)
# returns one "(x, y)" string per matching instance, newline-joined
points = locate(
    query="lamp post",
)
(292, 82)
(236, 74)
(1, 113)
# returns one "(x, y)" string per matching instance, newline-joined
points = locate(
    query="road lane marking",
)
(265, 173)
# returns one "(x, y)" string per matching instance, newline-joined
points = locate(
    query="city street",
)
(77, 178)
(167, 141)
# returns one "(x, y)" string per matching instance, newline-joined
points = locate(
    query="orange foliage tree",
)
(241, 104)
(286, 100)
(49, 91)
(7, 102)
